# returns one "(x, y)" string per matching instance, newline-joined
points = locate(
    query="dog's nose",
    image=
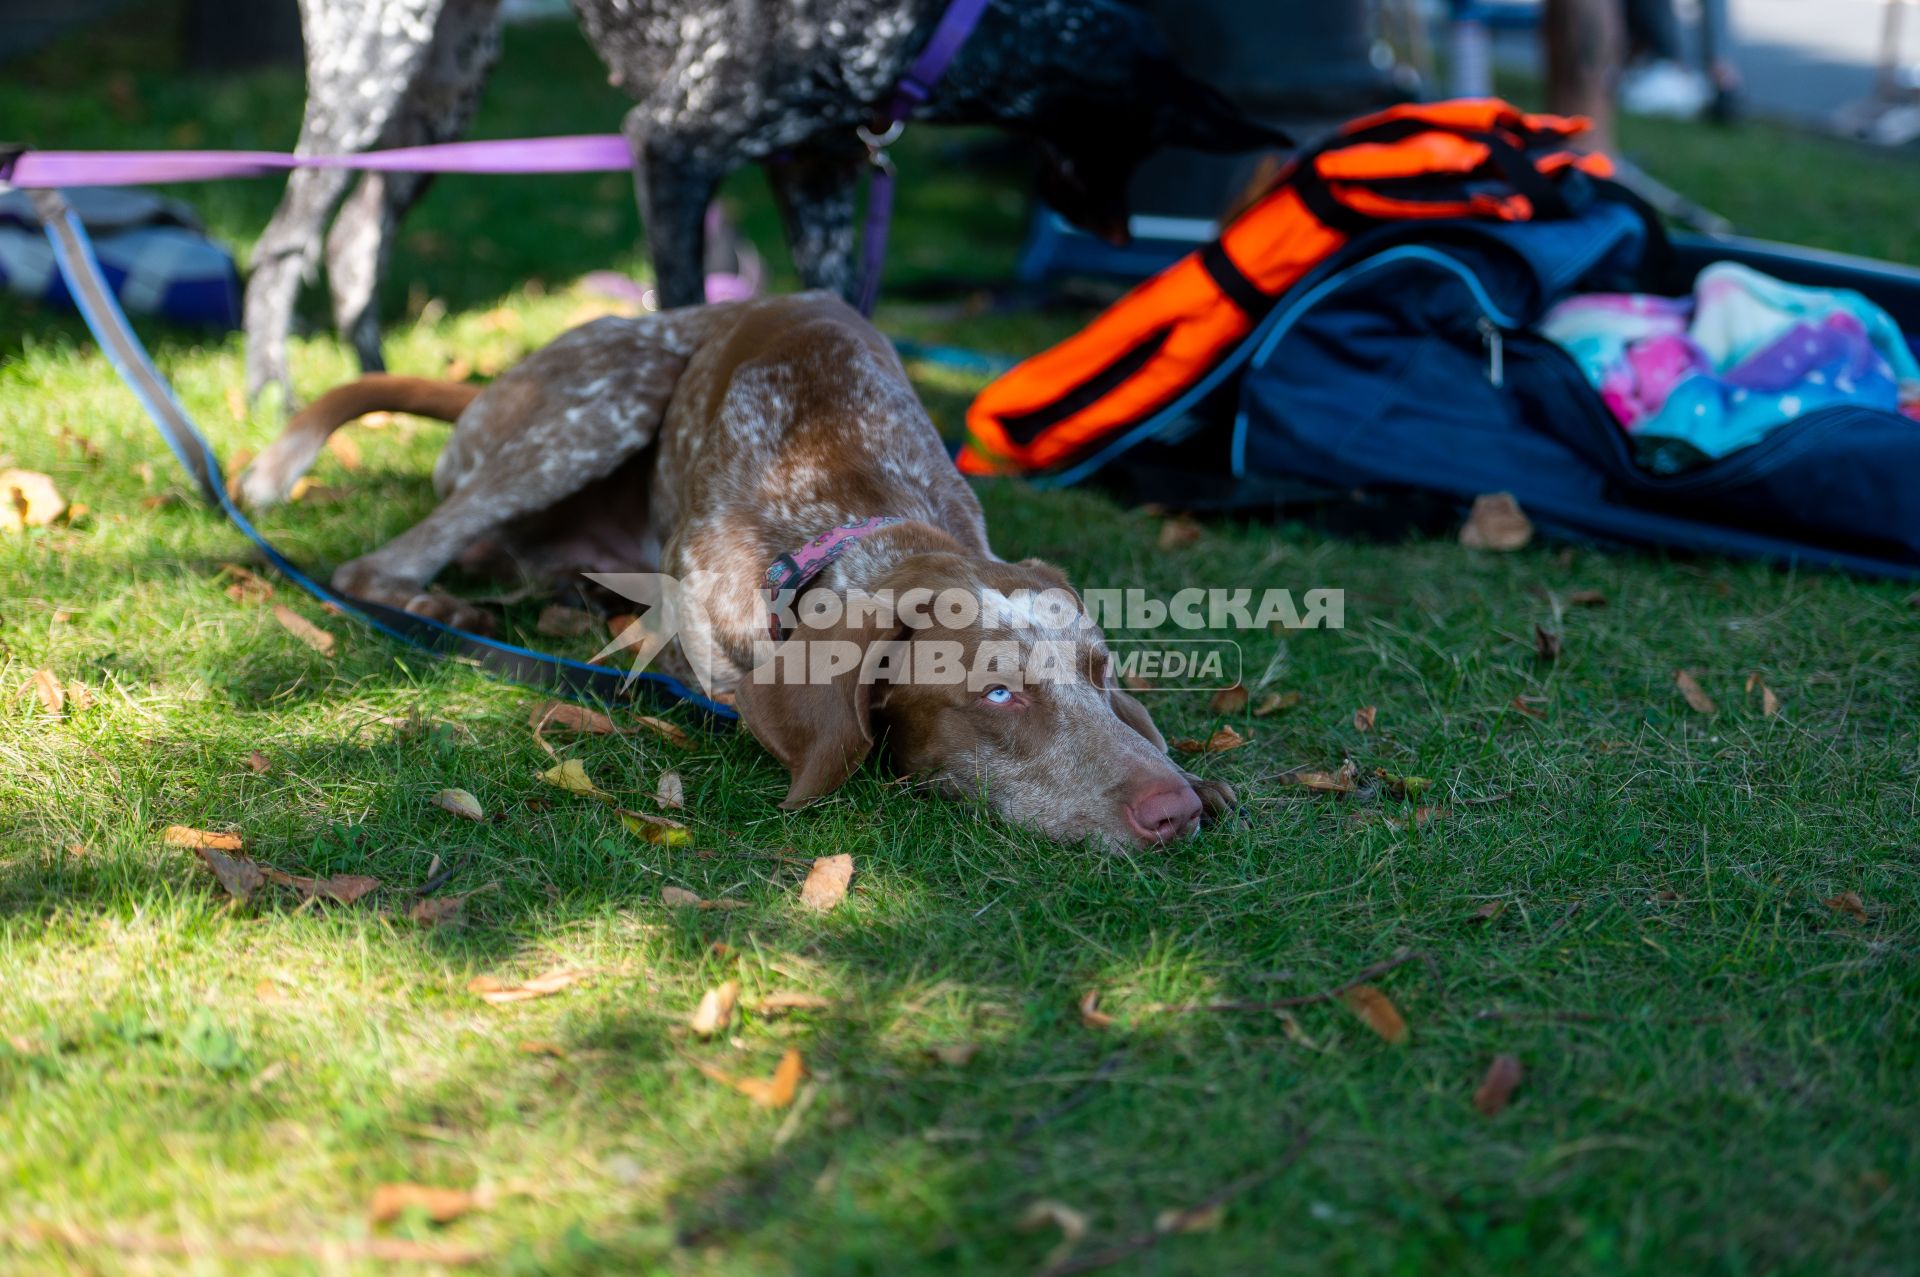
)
(1165, 814)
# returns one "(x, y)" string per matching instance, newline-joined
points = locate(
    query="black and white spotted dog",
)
(720, 83)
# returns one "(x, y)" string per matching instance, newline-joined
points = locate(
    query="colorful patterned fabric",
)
(1694, 378)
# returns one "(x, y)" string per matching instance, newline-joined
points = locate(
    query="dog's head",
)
(1114, 97)
(984, 680)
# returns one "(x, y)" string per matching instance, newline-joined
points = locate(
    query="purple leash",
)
(587, 153)
(914, 88)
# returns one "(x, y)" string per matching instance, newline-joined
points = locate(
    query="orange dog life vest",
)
(1467, 158)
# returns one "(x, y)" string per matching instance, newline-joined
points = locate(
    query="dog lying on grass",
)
(732, 444)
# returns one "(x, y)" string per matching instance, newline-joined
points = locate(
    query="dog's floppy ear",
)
(821, 731)
(1192, 113)
(1134, 715)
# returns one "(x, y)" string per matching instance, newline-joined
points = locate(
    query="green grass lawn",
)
(1719, 1067)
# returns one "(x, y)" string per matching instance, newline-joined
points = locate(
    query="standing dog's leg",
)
(815, 188)
(361, 56)
(674, 177)
(438, 107)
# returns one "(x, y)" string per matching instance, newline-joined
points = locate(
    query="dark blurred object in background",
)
(232, 35)
(1297, 64)
(26, 25)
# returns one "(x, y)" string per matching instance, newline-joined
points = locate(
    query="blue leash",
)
(80, 268)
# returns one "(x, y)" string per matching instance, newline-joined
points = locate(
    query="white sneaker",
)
(1664, 88)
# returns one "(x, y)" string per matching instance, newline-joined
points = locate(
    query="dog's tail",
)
(273, 473)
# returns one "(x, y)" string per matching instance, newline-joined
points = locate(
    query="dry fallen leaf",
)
(344, 888)
(304, 630)
(1848, 902)
(1496, 522)
(781, 1003)
(1135, 683)
(197, 839)
(1488, 911)
(491, 989)
(460, 803)
(566, 716)
(956, 1054)
(1228, 700)
(1695, 697)
(1769, 703)
(617, 625)
(1091, 1016)
(1193, 1219)
(540, 1046)
(1178, 531)
(240, 876)
(1344, 781)
(28, 499)
(258, 763)
(48, 690)
(1496, 1088)
(1586, 598)
(247, 587)
(1528, 705)
(441, 1205)
(1051, 1214)
(671, 792)
(774, 1092)
(1274, 702)
(1364, 717)
(1377, 1010)
(439, 911)
(681, 898)
(572, 777)
(344, 450)
(1546, 643)
(1421, 818)
(655, 829)
(1220, 742)
(826, 884)
(566, 622)
(715, 1011)
(664, 730)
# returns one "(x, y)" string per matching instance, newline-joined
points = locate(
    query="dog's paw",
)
(1218, 799)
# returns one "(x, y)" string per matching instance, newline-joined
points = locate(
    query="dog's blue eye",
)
(997, 695)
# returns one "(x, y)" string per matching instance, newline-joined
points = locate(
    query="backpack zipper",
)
(1496, 343)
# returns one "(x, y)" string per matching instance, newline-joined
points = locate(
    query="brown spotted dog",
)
(707, 443)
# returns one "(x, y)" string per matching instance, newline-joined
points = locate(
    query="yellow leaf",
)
(28, 499)
(459, 802)
(826, 884)
(572, 777)
(715, 1011)
(655, 829)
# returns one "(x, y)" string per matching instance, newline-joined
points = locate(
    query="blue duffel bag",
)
(1408, 363)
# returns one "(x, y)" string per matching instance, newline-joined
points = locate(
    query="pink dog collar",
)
(792, 572)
